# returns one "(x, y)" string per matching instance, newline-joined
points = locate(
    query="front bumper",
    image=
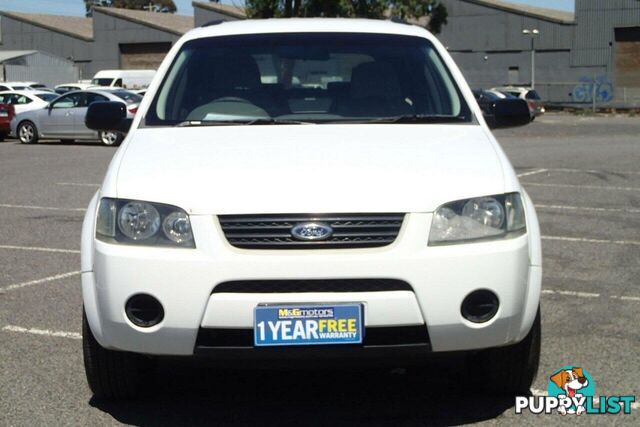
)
(183, 281)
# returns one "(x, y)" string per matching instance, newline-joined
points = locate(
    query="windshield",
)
(128, 97)
(47, 96)
(101, 82)
(310, 77)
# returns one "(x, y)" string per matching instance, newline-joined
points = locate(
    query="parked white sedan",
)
(27, 100)
(64, 118)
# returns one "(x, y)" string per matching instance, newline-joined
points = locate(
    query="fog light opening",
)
(144, 310)
(480, 306)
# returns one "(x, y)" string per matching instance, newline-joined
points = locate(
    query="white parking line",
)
(586, 208)
(38, 249)
(625, 298)
(571, 293)
(78, 184)
(535, 172)
(47, 208)
(47, 332)
(585, 240)
(580, 294)
(587, 187)
(593, 171)
(38, 281)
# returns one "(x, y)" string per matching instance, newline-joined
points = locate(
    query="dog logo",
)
(571, 383)
(571, 390)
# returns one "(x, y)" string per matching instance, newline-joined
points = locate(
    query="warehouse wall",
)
(571, 58)
(595, 35)
(111, 32)
(40, 67)
(473, 27)
(18, 35)
(202, 15)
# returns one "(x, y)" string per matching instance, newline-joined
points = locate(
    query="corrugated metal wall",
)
(487, 42)
(111, 32)
(41, 67)
(597, 20)
(473, 27)
(18, 35)
(202, 16)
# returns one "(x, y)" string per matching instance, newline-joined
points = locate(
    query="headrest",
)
(375, 79)
(236, 73)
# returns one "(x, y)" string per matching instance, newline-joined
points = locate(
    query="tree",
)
(165, 6)
(435, 11)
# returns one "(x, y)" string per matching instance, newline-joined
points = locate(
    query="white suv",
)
(308, 188)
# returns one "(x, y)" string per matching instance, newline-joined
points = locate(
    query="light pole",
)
(532, 33)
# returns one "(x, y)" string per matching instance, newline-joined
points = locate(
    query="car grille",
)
(313, 285)
(274, 231)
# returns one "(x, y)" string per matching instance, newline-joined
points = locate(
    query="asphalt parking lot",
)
(583, 174)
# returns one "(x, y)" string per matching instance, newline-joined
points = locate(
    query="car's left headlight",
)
(479, 218)
(137, 222)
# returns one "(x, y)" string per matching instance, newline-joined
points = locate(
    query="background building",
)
(594, 51)
(134, 39)
(67, 37)
(35, 66)
(209, 12)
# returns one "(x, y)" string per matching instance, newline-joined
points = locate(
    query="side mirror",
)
(510, 113)
(107, 116)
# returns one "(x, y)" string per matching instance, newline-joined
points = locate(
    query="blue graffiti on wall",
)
(584, 91)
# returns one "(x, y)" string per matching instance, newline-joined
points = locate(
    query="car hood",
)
(309, 168)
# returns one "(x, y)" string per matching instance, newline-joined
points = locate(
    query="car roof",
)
(74, 84)
(17, 83)
(109, 93)
(512, 88)
(26, 92)
(307, 25)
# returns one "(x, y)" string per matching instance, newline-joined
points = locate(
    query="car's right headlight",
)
(137, 222)
(479, 218)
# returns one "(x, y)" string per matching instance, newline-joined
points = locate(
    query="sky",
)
(76, 7)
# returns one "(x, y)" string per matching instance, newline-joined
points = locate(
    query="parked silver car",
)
(63, 118)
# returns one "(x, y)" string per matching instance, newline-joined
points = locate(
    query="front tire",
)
(111, 138)
(509, 370)
(27, 132)
(114, 375)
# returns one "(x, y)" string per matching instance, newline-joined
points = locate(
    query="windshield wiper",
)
(272, 121)
(246, 122)
(411, 118)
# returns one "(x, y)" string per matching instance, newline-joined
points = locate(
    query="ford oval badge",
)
(311, 231)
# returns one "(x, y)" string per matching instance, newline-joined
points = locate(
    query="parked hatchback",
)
(27, 100)
(363, 212)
